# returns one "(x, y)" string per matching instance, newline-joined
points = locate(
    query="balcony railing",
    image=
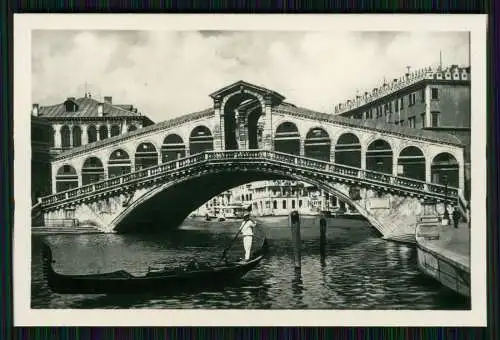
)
(256, 156)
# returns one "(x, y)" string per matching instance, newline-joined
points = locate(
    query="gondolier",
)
(246, 230)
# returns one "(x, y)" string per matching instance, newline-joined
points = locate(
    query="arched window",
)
(92, 134)
(317, 144)
(103, 132)
(115, 130)
(65, 137)
(77, 136)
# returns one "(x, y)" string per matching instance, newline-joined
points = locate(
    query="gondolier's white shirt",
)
(247, 228)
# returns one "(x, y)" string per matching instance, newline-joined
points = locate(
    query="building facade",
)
(427, 99)
(72, 123)
(273, 198)
(80, 121)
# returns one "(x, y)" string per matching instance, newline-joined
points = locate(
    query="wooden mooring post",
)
(296, 242)
(322, 236)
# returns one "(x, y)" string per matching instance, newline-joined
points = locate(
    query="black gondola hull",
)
(121, 282)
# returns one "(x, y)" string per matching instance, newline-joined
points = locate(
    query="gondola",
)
(165, 281)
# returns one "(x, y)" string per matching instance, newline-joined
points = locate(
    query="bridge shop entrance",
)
(241, 116)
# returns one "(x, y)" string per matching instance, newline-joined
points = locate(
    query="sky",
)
(166, 74)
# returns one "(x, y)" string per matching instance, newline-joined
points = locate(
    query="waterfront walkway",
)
(453, 244)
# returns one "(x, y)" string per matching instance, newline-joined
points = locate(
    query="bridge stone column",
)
(109, 130)
(394, 163)
(267, 133)
(57, 135)
(363, 157)
(301, 148)
(53, 175)
(85, 135)
(428, 170)
(218, 126)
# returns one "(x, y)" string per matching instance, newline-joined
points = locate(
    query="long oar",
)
(230, 245)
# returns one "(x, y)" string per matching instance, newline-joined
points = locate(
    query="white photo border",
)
(25, 316)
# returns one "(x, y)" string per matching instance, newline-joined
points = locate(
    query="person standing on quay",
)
(246, 230)
(456, 217)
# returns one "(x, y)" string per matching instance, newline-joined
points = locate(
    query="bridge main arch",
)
(152, 207)
(154, 210)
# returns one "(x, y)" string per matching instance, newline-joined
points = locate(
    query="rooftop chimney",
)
(34, 111)
(108, 100)
(100, 109)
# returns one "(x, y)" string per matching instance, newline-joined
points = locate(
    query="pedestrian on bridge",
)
(246, 230)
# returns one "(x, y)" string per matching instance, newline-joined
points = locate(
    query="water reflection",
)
(354, 270)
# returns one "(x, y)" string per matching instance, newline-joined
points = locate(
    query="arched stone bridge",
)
(251, 134)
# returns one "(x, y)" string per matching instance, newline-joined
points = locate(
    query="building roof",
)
(433, 136)
(87, 108)
(151, 128)
(239, 85)
(453, 74)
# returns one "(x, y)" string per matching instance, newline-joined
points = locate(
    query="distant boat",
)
(196, 276)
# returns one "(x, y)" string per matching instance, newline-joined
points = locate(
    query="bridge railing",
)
(284, 158)
(123, 179)
(340, 169)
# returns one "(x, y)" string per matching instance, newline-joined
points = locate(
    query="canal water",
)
(359, 269)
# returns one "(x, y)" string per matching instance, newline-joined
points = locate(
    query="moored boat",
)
(195, 276)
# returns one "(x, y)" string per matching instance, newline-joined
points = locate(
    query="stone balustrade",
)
(292, 163)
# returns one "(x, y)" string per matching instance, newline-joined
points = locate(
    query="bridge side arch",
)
(411, 163)
(318, 143)
(445, 169)
(145, 154)
(173, 147)
(119, 163)
(379, 154)
(201, 139)
(327, 187)
(92, 170)
(347, 149)
(287, 138)
(66, 178)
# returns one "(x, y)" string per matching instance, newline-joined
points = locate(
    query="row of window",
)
(412, 121)
(396, 105)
